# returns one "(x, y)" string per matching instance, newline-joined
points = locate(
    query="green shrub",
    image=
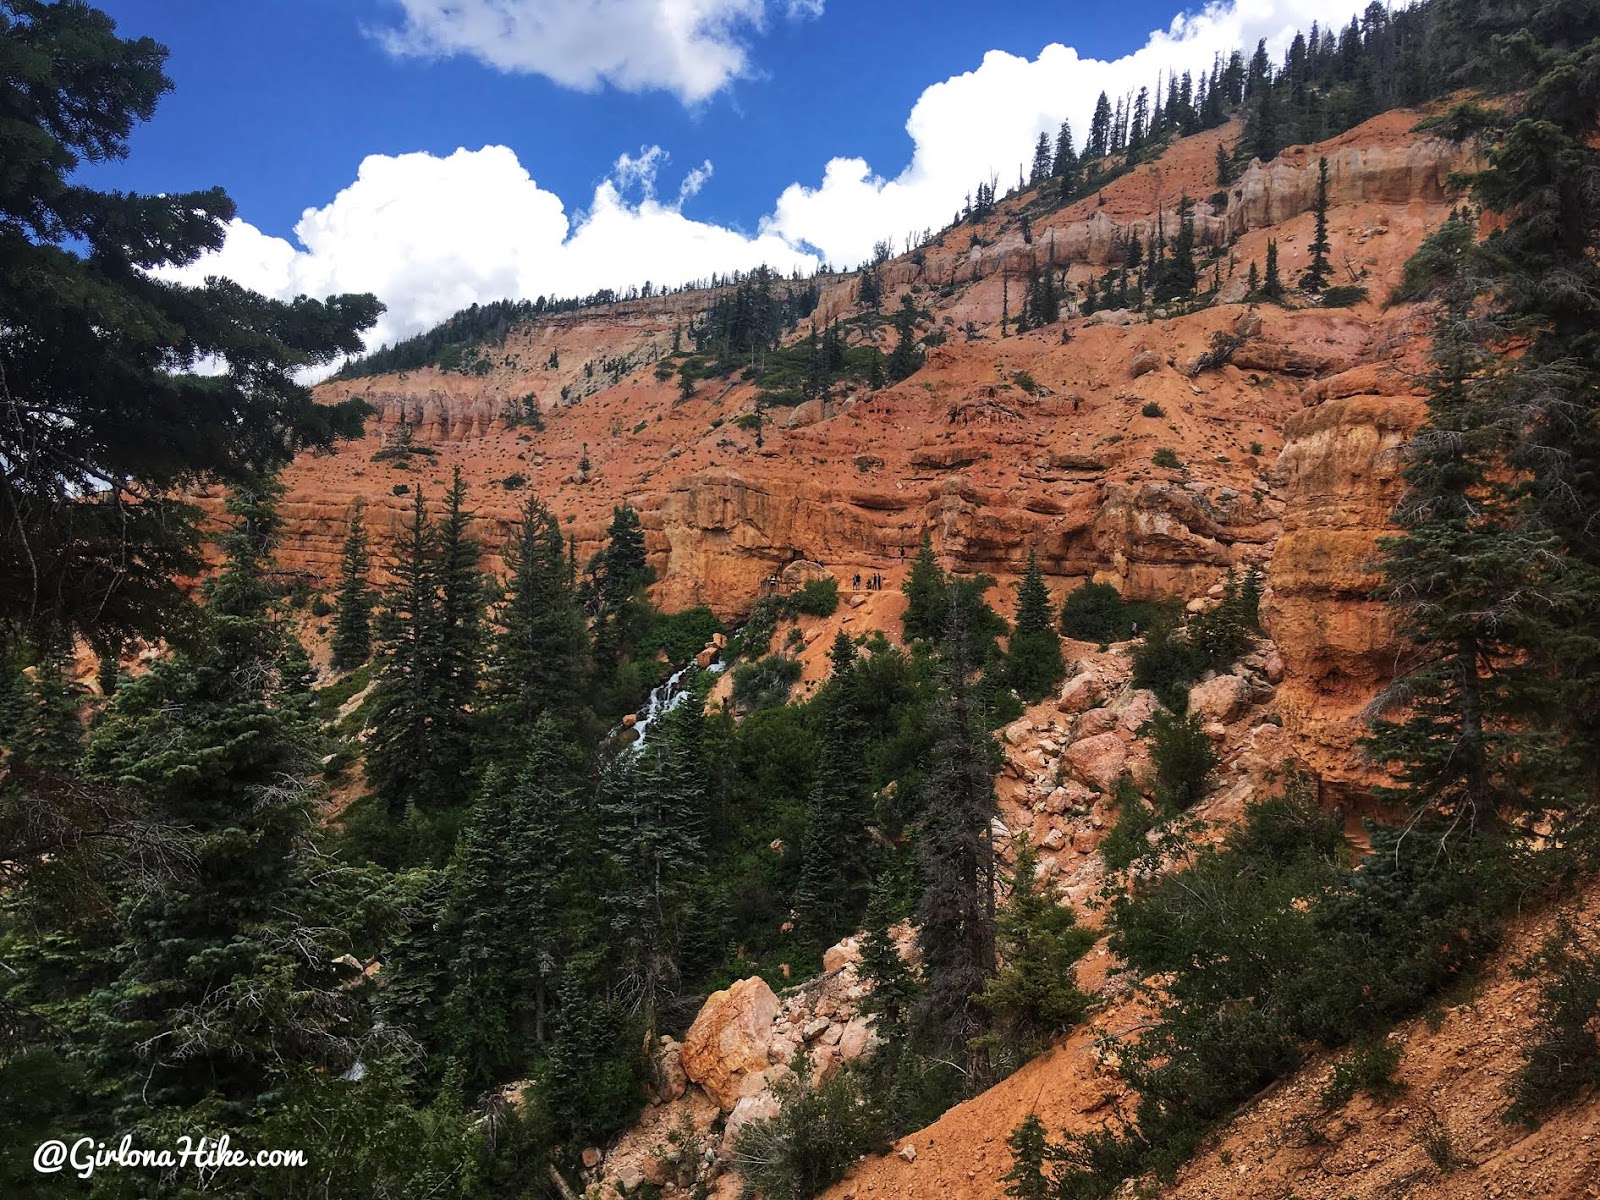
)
(514, 481)
(401, 489)
(1343, 296)
(1183, 759)
(1563, 1052)
(1167, 665)
(320, 607)
(765, 683)
(680, 635)
(1255, 448)
(1152, 409)
(1165, 457)
(819, 1132)
(818, 596)
(1368, 1068)
(1096, 612)
(1127, 841)
(1025, 381)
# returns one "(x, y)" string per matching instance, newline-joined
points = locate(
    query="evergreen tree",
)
(1030, 1152)
(1224, 165)
(1041, 161)
(1099, 143)
(403, 749)
(1464, 574)
(539, 660)
(623, 567)
(1033, 657)
(352, 626)
(1318, 273)
(836, 865)
(1065, 164)
(955, 914)
(113, 423)
(926, 590)
(653, 807)
(1032, 998)
(226, 982)
(1176, 276)
(1272, 283)
(905, 360)
(49, 736)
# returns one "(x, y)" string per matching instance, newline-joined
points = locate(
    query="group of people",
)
(874, 582)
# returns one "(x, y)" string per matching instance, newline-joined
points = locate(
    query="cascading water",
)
(666, 696)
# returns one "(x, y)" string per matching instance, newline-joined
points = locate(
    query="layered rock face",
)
(1000, 445)
(1341, 472)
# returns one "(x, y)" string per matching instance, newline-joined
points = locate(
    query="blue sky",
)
(827, 123)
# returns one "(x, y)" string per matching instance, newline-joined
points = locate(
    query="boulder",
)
(1099, 760)
(761, 1107)
(845, 953)
(853, 1041)
(1144, 362)
(729, 1039)
(1095, 721)
(1222, 699)
(670, 1081)
(1134, 709)
(1081, 692)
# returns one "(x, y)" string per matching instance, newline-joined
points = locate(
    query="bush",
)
(1343, 296)
(1369, 1068)
(818, 1133)
(1167, 664)
(1563, 1053)
(514, 481)
(1127, 841)
(1183, 758)
(1096, 612)
(765, 683)
(680, 635)
(401, 489)
(1167, 458)
(1152, 409)
(818, 596)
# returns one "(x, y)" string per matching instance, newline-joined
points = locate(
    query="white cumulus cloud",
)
(986, 122)
(430, 235)
(691, 48)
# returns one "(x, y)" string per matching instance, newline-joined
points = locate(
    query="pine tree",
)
(836, 865)
(460, 644)
(1065, 164)
(1032, 998)
(1224, 165)
(1175, 278)
(1317, 274)
(402, 748)
(905, 360)
(955, 914)
(1030, 1153)
(226, 983)
(1099, 143)
(1465, 577)
(539, 663)
(1033, 657)
(624, 569)
(49, 736)
(926, 590)
(352, 627)
(1041, 161)
(1253, 281)
(653, 805)
(1272, 284)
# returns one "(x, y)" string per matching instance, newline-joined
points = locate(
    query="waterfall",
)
(666, 696)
